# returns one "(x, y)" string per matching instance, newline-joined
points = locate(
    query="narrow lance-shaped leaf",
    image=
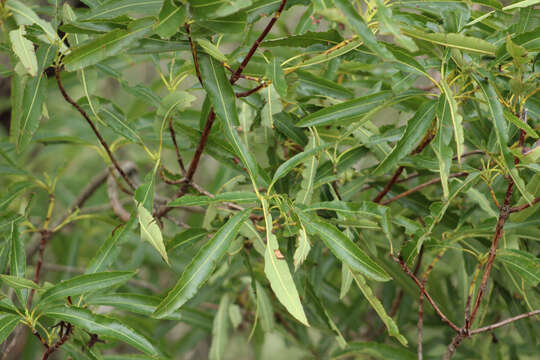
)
(457, 119)
(459, 41)
(441, 143)
(525, 264)
(86, 283)
(345, 249)
(108, 45)
(302, 249)
(308, 176)
(223, 100)
(278, 273)
(374, 350)
(293, 162)
(202, 266)
(18, 283)
(150, 231)
(220, 330)
(108, 251)
(33, 98)
(17, 260)
(361, 28)
(497, 115)
(264, 308)
(24, 49)
(8, 323)
(379, 309)
(345, 112)
(416, 129)
(275, 73)
(113, 8)
(171, 17)
(103, 326)
(233, 196)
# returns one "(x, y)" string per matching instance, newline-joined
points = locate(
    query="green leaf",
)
(345, 112)
(113, 8)
(417, 127)
(278, 273)
(234, 196)
(388, 25)
(103, 326)
(520, 124)
(202, 266)
(293, 162)
(345, 249)
(18, 283)
(150, 231)
(108, 251)
(456, 118)
(302, 249)
(171, 17)
(361, 28)
(275, 73)
(107, 45)
(525, 264)
(26, 16)
(33, 96)
(521, 4)
(379, 309)
(375, 350)
(220, 330)
(212, 50)
(223, 100)
(310, 85)
(82, 284)
(17, 259)
(186, 237)
(329, 38)
(441, 143)
(458, 41)
(264, 308)
(24, 49)
(233, 24)
(7, 325)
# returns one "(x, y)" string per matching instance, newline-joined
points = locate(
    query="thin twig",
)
(421, 186)
(193, 53)
(252, 91)
(504, 322)
(58, 343)
(45, 235)
(524, 206)
(94, 128)
(427, 139)
(236, 75)
(178, 156)
(426, 294)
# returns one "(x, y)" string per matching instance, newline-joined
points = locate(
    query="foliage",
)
(237, 179)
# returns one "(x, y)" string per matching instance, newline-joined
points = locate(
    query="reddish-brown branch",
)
(252, 91)
(45, 235)
(524, 206)
(427, 139)
(503, 215)
(200, 147)
(176, 149)
(193, 53)
(421, 186)
(236, 75)
(426, 294)
(63, 338)
(94, 128)
(504, 322)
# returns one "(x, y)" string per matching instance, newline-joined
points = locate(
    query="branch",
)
(45, 235)
(252, 91)
(94, 129)
(236, 75)
(524, 206)
(63, 338)
(427, 139)
(193, 53)
(505, 322)
(421, 186)
(178, 156)
(424, 291)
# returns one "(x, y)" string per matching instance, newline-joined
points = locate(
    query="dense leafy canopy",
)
(245, 178)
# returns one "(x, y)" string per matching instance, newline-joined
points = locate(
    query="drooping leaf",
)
(264, 308)
(458, 41)
(345, 112)
(220, 330)
(24, 49)
(82, 284)
(8, 323)
(234, 196)
(150, 231)
(379, 309)
(18, 283)
(278, 273)
(417, 127)
(104, 327)
(275, 73)
(202, 266)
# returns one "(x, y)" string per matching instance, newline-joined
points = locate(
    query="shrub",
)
(259, 178)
